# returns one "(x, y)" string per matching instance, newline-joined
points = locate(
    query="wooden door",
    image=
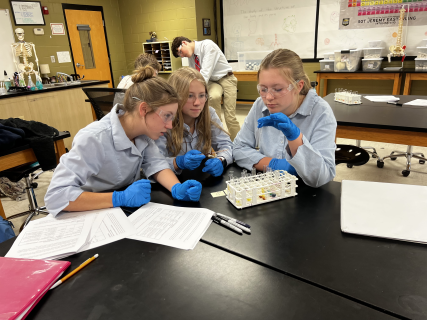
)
(100, 69)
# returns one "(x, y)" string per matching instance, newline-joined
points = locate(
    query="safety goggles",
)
(166, 116)
(274, 92)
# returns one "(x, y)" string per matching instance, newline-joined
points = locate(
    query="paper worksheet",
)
(177, 227)
(381, 98)
(386, 210)
(110, 225)
(416, 102)
(50, 238)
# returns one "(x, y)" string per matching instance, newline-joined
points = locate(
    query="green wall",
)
(47, 45)
(205, 10)
(168, 18)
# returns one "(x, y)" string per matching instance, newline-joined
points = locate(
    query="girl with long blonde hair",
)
(196, 130)
(289, 127)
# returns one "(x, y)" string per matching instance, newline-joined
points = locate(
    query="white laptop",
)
(386, 210)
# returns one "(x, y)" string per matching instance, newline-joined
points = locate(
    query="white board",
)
(6, 39)
(330, 38)
(386, 210)
(27, 13)
(253, 25)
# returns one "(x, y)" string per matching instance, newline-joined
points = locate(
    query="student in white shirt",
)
(144, 59)
(206, 57)
(289, 127)
(196, 128)
(107, 155)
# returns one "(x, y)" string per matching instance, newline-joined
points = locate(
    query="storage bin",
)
(420, 64)
(370, 53)
(347, 60)
(250, 60)
(327, 65)
(329, 56)
(372, 64)
(422, 52)
(375, 43)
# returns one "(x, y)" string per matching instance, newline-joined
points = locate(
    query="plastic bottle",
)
(39, 83)
(31, 84)
(21, 81)
(6, 81)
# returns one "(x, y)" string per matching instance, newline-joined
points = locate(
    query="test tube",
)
(253, 171)
(264, 168)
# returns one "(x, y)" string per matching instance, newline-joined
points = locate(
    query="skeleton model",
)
(398, 50)
(22, 49)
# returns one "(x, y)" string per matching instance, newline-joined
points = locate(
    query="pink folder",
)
(24, 282)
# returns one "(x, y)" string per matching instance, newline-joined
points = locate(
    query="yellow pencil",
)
(84, 264)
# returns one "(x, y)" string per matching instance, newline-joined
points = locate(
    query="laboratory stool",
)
(349, 154)
(408, 155)
(373, 153)
(17, 173)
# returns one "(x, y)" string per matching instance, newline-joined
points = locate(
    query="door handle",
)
(79, 65)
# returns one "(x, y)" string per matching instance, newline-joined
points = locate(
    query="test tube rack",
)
(261, 188)
(347, 97)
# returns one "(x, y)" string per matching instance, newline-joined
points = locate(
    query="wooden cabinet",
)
(162, 51)
(65, 110)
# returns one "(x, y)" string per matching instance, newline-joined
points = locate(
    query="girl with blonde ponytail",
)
(289, 127)
(108, 154)
(196, 129)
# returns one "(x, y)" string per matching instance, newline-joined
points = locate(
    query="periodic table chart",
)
(362, 14)
(343, 24)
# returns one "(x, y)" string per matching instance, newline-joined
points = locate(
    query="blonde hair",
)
(146, 59)
(150, 89)
(290, 65)
(180, 80)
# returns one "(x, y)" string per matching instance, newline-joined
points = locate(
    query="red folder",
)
(24, 282)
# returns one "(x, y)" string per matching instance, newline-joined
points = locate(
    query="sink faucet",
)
(60, 75)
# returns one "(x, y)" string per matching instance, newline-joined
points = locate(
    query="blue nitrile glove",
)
(282, 164)
(137, 194)
(190, 190)
(281, 122)
(214, 167)
(191, 160)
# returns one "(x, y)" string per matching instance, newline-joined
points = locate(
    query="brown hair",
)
(146, 59)
(176, 43)
(290, 65)
(152, 90)
(180, 80)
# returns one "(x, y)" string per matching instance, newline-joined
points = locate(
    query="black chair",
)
(104, 99)
(408, 155)
(16, 174)
(351, 155)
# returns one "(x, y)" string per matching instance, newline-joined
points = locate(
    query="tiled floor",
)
(369, 172)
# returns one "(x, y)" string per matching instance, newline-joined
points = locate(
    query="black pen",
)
(226, 224)
(234, 223)
(235, 220)
(396, 103)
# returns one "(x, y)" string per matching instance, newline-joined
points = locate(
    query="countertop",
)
(55, 87)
